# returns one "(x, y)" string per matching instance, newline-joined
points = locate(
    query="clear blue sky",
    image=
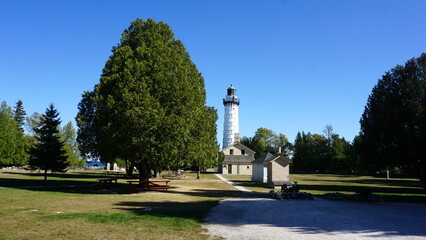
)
(297, 65)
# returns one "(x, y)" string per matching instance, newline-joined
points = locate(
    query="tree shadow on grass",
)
(388, 193)
(190, 210)
(213, 193)
(249, 183)
(72, 175)
(385, 182)
(78, 185)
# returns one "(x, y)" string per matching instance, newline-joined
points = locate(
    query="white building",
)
(260, 168)
(271, 169)
(231, 132)
(238, 157)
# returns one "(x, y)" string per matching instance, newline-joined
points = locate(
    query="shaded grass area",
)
(69, 206)
(394, 190)
(166, 222)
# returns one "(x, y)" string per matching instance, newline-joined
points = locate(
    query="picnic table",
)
(148, 185)
(106, 182)
(175, 175)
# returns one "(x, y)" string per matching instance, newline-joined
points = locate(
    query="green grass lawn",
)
(395, 190)
(69, 206)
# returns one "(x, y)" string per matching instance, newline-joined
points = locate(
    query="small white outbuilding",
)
(271, 169)
(260, 171)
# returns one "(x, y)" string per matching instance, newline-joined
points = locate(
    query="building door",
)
(229, 168)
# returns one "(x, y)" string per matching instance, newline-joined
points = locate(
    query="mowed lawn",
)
(69, 206)
(393, 190)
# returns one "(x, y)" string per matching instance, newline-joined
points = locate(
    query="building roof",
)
(268, 157)
(276, 157)
(238, 159)
(262, 158)
(238, 143)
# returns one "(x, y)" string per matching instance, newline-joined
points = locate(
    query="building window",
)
(243, 152)
(231, 151)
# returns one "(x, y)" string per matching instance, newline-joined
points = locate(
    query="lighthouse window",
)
(231, 151)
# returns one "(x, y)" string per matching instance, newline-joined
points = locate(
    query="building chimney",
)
(237, 137)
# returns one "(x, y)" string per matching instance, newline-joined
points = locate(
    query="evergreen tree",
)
(48, 154)
(20, 113)
(300, 157)
(145, 108)
(12, 144)
(393, 125)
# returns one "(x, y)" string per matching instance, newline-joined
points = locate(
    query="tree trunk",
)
(45, 174)
(129, 168)
(198, 174)
(144, 173)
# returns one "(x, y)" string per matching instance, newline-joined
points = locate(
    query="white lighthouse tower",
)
(231, 131)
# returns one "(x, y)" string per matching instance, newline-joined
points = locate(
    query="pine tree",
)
(49, 153)
(20, 113)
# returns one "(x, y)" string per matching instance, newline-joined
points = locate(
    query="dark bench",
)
(106, 182)
(136, 185)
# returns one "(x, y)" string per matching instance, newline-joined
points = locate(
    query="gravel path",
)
(262, 218)
(243, 189)
(265, 218)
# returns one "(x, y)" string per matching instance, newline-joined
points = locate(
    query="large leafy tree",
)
(33, 122)
(48, 154)
(148, 103)
(12, 144)
(204, 147)
(265, 140)
(393, 125)
(68, 135)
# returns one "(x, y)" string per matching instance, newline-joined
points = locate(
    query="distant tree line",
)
(392, 136)
(326, 153)
(20, 148)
